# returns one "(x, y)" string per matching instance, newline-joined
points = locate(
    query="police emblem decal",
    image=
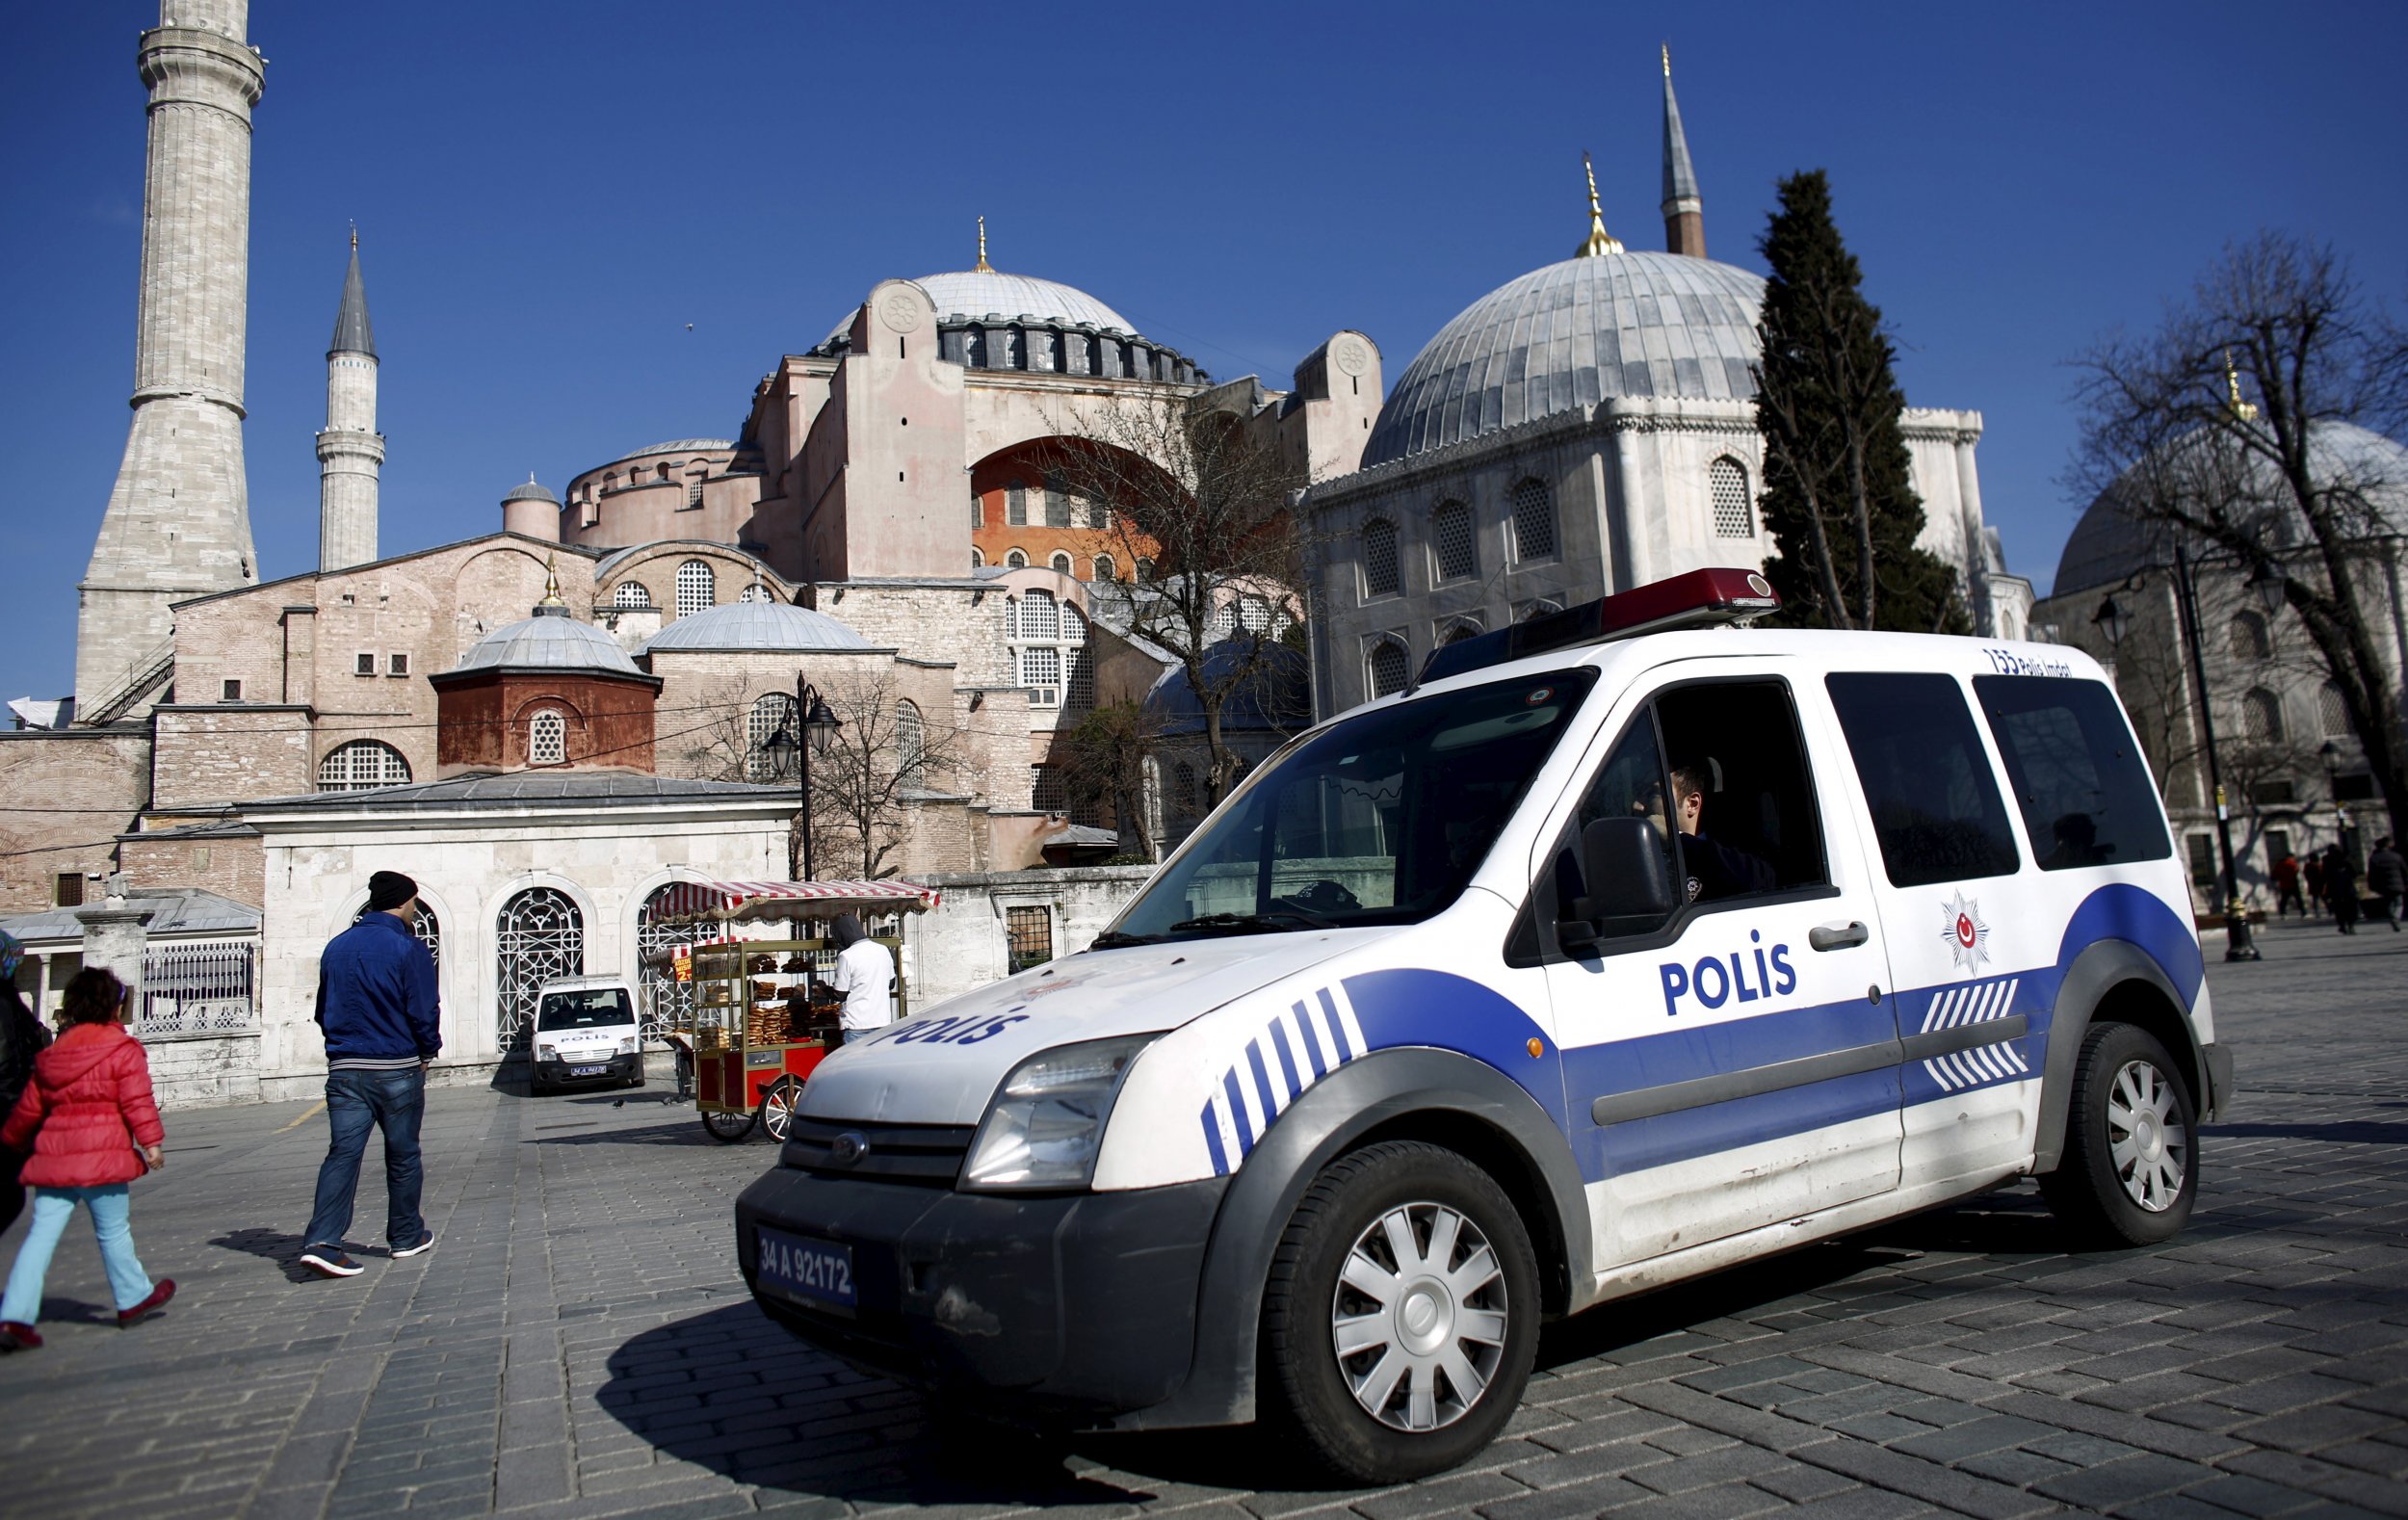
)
(1968, 937)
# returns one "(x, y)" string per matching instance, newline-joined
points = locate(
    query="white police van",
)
(1619, 948)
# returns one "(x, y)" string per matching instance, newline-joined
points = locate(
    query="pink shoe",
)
(15, 1337)
(158, 1299)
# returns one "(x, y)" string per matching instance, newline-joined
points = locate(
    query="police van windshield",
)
(1378, 820)
(585, 1009)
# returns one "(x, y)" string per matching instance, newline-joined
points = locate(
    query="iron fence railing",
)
(206, 986)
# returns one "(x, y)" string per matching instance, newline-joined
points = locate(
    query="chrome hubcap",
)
(1419, 1317)
(2146, 1137)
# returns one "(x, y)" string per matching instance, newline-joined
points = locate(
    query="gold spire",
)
(984, 267)
(355, 237)
(1667, 60)
(2241, 410)
(1599, 242)
(551, 580)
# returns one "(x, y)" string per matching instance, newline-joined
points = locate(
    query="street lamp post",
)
(2236, 940)
(819, 725)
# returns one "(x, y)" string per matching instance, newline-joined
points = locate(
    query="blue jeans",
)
(52, 1208)
(357, 1101)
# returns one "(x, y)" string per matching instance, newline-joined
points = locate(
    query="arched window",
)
(631, 594)
(1253, 615)
(978, 560)
(1146, 571)
(1016, 504)
(1057, 502)
(2262, 716)
(697, 588)
(361, 765)
(1037, 616)
(1387, 668)
(1073, 625)
(1534, 521)
(978, 510)
(428, 928)
(663, 1002)
(757, 593)
(1183, 790)
(1104, 569)
(911, 737)
(2248, 634)
(547, 739)
(1450, 541)
(1726, 485)
(1537, 608)
(2332, 713)
(1379, 559)
(1061, 563)
(773, 713)
(1462, 629)
(1015, 560)
(539, 936)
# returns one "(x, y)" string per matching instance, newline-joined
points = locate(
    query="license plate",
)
(806, 1269)
(586, 1071)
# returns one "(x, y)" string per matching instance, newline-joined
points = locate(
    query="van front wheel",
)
(1400, 1313)
(2130, 1172)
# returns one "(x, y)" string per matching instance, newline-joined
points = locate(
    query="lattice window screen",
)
(1379, 559)
(1452, 528)
(1534, 521)
(1727, 482)
(1387, 669)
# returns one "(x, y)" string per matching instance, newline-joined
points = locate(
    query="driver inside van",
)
(1715, 870)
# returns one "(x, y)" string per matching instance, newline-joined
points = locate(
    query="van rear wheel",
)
(2130, 1172)
(1400, 1315)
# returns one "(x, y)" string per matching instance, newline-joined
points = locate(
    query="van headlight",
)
(630, 1045)
(547, 1052)
(1045, 1124)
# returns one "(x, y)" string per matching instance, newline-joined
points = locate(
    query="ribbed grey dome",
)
(681, 446)
(532, 493)
(1570, 335)
(755, 625)
(557, 644)
(979, 293)
(2109, 543)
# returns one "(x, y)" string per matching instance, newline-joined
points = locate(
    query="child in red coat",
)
(92, 1126)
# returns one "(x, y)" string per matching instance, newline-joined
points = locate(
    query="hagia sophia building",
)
(573, 710)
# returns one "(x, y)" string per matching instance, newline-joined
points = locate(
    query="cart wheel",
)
(778, 1108)
(728, 1127)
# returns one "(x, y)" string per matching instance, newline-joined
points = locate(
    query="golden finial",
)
(355, 237)
(1667, 60)
(984, 267)
(551, 580)
(1599, 242)
(2241, 410)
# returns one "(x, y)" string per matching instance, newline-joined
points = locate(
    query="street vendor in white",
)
(865, 974)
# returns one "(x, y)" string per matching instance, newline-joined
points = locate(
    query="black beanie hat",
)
(388, 890)
(848, 931)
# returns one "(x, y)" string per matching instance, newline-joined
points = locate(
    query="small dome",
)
(1277, 699)
(755, 625)
(532, 493)
(973, 292)
(681, 446)
(1570, 335)
(551, 643)
(2108, 543)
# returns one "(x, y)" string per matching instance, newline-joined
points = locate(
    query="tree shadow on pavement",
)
(2343, 1132)
(841, 1436)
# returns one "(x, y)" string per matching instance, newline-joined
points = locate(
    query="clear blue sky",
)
(547, 195)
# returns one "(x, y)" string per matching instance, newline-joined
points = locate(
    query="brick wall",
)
(221, 754)
(231, 866)
(63, 798)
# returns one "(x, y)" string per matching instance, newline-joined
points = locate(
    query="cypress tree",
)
(1838, 498)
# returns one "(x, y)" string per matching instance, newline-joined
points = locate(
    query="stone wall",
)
(203, 1071)
(64, 796)
(231, 865)
(219, 755)
(961, 945)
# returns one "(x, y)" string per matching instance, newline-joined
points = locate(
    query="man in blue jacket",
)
(377, 1004)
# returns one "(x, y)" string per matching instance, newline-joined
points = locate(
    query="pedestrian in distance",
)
(2287, 885)
(382, 1019)
(2313, 873)
(22, 1039)
(2387, 878)
(2341, 888)
(92, 1124)
(865, 974)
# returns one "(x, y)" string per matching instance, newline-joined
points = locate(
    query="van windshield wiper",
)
(1277, 921)
(1114, 939)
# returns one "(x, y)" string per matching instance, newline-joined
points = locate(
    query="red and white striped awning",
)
(698, 902)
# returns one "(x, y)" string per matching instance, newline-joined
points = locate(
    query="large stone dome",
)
(737, 627)
(548, 642)
(2109, 543)
(1569, 335)
(969, 294)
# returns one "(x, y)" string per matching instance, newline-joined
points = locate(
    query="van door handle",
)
(1823, 937)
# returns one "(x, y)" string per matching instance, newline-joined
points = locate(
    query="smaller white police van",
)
(1623, 946)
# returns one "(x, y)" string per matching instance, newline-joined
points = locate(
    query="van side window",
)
(2076, 770)
(1935, 805)
(1741, 799)
(1629, 784)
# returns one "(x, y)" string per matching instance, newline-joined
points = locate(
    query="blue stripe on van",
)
(1212, 1143)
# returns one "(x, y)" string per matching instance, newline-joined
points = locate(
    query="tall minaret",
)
(1684, 209)
(350, 449)
(178, 521)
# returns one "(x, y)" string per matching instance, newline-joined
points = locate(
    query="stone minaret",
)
(350, 449)
(1684, 209)
(178, 522)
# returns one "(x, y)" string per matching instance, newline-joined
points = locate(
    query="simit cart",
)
(762, 1015)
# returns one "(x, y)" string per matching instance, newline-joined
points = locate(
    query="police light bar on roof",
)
(1699, 599)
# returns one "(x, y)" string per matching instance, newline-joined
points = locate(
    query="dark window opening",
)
(69, 891)
(2077, 772)
(1029, 937)
(229, 691)
(1935, 805)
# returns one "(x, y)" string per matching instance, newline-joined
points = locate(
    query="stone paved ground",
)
(580, 1344)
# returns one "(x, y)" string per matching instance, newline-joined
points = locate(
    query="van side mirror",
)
(1628, 880)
